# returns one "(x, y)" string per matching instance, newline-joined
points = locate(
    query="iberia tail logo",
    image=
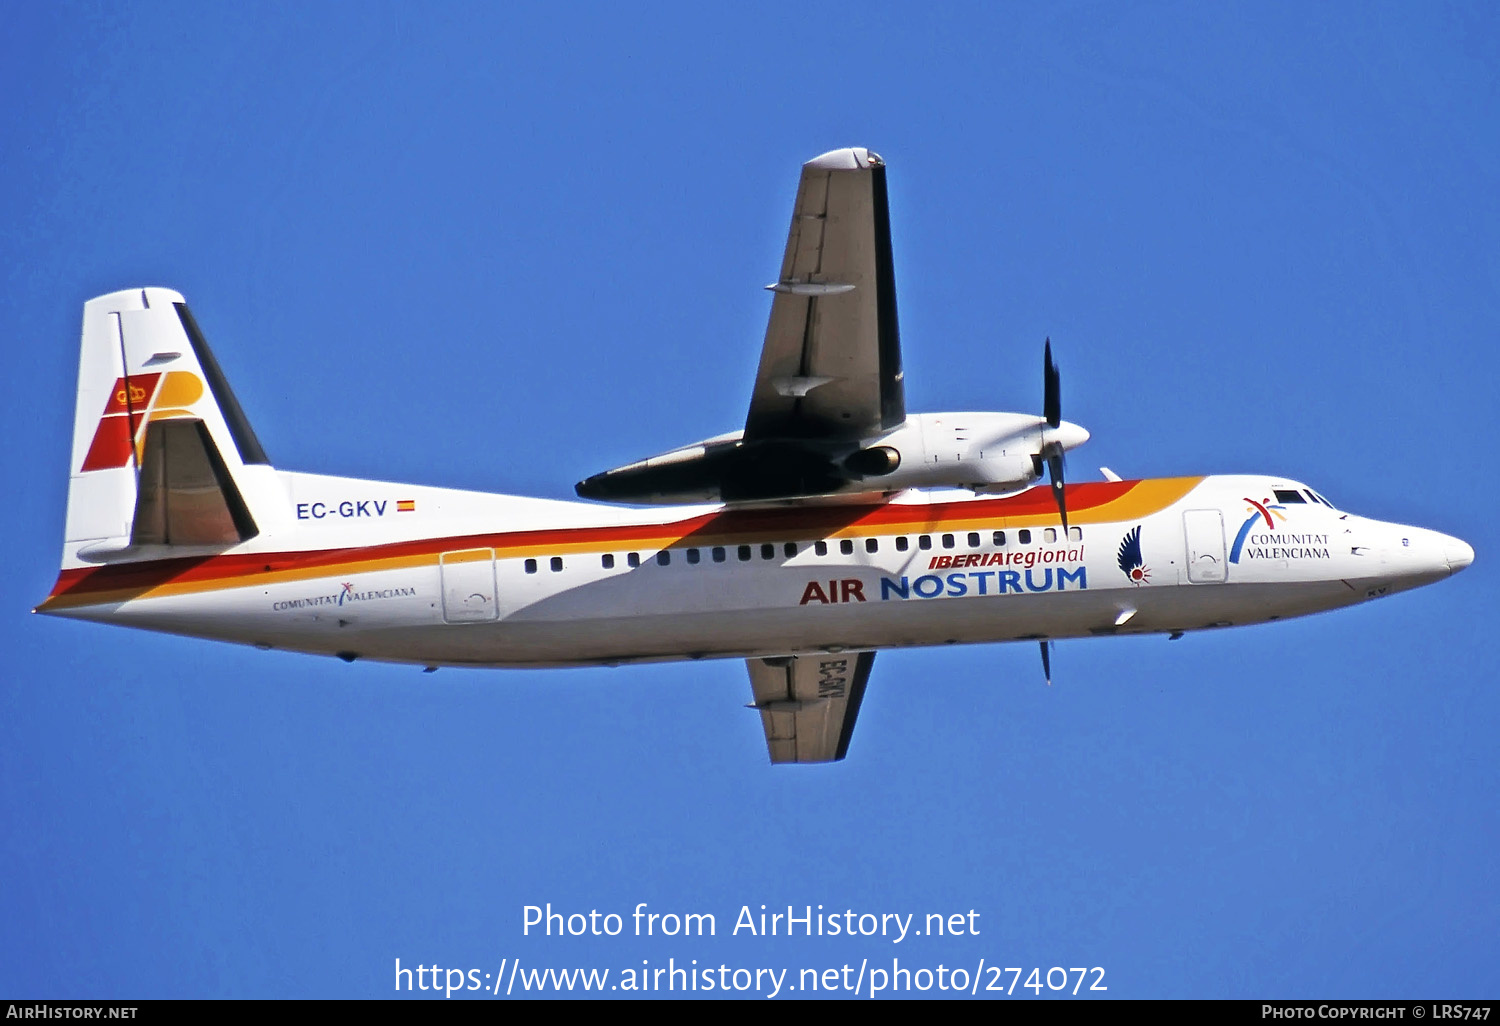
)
(1262, 510)
(135, 401)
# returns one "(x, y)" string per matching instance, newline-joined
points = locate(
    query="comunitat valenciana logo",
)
(1262, 510)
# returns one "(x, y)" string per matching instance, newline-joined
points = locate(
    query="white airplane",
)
(833, 525)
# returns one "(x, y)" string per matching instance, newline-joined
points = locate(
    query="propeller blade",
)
(1047, 661)
(1055, 472)
(1051, 388)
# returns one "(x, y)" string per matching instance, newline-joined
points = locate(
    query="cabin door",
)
(1204, 529)
(469, 593)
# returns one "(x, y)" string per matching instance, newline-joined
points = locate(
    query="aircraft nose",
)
(1458, 553)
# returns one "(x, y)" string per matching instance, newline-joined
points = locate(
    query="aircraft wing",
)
(831, 364)
(808, 703)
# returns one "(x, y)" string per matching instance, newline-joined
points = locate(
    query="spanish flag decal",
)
(406, 505)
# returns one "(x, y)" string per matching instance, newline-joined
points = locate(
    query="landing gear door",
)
(469, 593)
(1204, 529)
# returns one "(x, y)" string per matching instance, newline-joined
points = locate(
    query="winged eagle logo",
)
(1132, 564)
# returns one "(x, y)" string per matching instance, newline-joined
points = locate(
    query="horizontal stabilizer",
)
(186, 495)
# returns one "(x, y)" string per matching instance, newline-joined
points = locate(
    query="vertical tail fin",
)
(162, 453)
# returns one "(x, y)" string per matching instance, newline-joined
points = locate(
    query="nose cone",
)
(1070, 435)
(1458, 553)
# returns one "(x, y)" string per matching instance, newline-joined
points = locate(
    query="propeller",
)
(1052, 388)
(1053, 450)
(1047, 660)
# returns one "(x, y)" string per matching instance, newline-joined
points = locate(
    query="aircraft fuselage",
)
(400, 573)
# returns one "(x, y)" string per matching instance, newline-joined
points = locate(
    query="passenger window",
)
(999, 538)
(1287, 495)
(633, 559)
(847, 546)
(924, 541)
(608, 559)
(973, 539)
(692, 555)
(719, 553)
(872, 544)
(947, 541)
(820, 548)
(902, 543)
(556, 564)
(663, 557)
(1023, 536)
(768, 551)
(744, 553)
(1076, 533)
(789, 549)
(531, 566)
(1051, 534)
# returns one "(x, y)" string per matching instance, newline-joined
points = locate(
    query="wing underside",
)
(808, 704)
(831, 364)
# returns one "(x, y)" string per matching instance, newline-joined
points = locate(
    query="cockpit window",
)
(1320, 498)
(1288, 495)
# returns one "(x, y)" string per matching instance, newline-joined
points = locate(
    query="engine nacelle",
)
(990, 452)
(985, 452)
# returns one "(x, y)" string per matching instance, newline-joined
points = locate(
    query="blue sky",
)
(502, 249)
